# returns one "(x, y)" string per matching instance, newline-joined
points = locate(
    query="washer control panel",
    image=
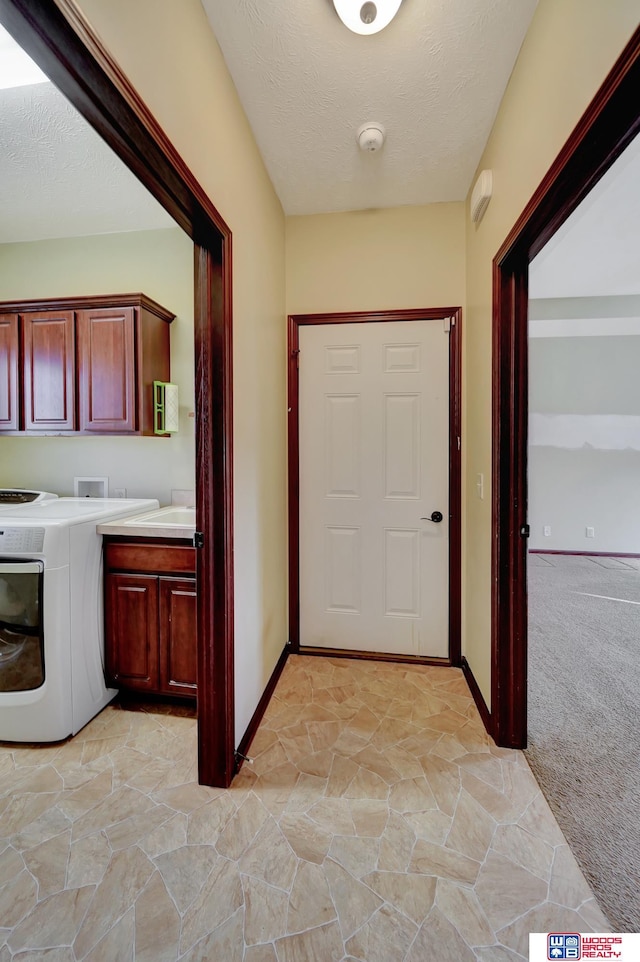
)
(20, 540)
(24, 496)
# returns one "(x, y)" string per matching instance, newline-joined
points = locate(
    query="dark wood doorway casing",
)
(606, 128)
(296, 321)
(60, 40)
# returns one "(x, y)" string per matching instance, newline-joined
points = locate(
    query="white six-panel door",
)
(374, 462)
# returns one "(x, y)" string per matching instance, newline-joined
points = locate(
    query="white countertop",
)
(174, 521)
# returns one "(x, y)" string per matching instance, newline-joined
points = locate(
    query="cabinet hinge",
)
(525, 530)
(198, 539)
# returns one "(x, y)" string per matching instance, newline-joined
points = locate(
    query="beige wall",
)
(160, 264)
(168, 51)
(355, 261)
(569, 49)
(402, 257)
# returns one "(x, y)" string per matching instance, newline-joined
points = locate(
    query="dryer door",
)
(21, 625)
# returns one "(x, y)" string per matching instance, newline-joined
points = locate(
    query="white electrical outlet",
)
(120, 492)
(590, 532)
(547, 530)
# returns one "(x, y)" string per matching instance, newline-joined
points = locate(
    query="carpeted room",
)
(584, 716)
(584, 569)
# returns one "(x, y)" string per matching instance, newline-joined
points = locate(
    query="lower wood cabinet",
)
(150, 617)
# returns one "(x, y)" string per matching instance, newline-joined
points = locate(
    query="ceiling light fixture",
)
(366, 16)
(17, 69)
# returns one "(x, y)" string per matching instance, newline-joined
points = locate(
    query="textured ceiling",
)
(596, 252)
(434, 78)
(58, 178)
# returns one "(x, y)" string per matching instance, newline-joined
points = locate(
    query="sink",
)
(170, 517)
(174, 521)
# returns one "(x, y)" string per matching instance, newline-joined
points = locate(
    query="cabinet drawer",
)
(150, 557)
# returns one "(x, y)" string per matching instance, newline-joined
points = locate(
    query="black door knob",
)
(436, 517)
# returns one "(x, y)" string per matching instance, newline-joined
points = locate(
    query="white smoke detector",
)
(481, 195)
(371, 137)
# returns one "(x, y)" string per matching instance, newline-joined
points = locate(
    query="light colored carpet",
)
(584, 717)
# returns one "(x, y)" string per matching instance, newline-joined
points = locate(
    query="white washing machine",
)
(51, 615)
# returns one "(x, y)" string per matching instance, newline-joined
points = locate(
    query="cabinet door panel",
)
(9, 409)
(107, 370)
(178, 650)
(49, 371)
(132, 630)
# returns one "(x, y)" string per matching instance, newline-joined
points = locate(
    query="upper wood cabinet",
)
(107, 370)
(86, 365)
(9, 383)
(48, 348)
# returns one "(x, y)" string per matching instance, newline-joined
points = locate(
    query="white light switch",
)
(480, 486)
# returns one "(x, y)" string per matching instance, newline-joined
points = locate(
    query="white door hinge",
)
(448, 323)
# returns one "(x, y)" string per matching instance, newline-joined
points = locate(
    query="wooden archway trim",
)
(296, 321)
(61, 41)
(607, 127)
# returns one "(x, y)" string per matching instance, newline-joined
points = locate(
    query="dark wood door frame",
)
(296, 321)
(608, 125)
(60, 40)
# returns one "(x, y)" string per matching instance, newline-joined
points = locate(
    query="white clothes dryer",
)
(51, 615)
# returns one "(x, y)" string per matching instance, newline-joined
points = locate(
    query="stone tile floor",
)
(378, 823)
